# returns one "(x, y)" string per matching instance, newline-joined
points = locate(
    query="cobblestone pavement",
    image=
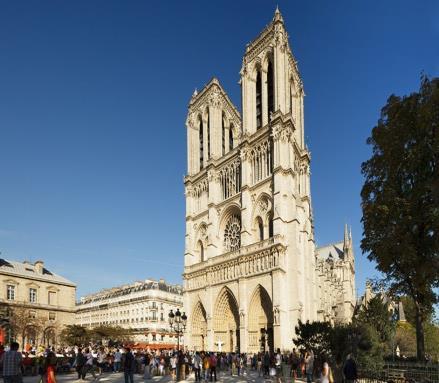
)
(223, 377)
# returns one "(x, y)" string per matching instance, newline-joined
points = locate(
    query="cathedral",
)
(251, 266)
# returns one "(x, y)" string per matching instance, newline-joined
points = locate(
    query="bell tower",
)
(249, 250)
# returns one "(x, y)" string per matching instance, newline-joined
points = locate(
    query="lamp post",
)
(177, 322)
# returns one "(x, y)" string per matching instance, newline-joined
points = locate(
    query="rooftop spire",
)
(346, 238)
(277, 15)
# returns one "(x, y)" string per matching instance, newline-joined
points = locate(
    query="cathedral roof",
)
(333, 250)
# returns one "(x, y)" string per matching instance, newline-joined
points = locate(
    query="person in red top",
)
(212, 365)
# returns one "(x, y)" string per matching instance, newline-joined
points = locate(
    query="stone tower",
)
(250, 262)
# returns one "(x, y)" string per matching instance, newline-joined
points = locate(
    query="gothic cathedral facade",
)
(251, 268)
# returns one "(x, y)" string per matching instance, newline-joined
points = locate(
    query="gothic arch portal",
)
(226, 322)
(199, 327)
(260, 322)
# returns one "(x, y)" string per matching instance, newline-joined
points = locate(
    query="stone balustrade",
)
(260, 257)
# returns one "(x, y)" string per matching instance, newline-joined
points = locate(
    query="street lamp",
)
(177, 322)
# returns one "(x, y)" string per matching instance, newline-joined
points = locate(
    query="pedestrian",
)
(88, 366)
(128, 365)
(11, 362)
(266, 364)
(197, 366)
(212, 366)
(117, 360)
(79, 362)
(206, 367)
(51, 362)
(326, 373)
(309, 366)
(349, 370)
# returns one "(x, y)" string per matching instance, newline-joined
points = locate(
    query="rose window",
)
(232, 234)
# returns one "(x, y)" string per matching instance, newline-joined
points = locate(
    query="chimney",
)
(39, 267)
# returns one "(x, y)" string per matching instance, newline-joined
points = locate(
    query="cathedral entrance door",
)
(226, 320)
(260, 321)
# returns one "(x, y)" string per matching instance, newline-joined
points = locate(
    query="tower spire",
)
(277, 15)
(346, 238)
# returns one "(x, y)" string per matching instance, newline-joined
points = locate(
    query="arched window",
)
(231, 137)
(270, 88)
(292, 98)
(260, 228)
(270, 226)
(201, 251)
(208, 134)
(201, 141)
(258, 100)
(223, 134)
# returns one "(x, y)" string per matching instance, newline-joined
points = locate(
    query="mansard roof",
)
(30, 271)
(213, 92)
(131, 288)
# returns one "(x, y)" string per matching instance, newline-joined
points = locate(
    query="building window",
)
(154, 315)
(51, 299)
(162, 318)
(270, 226)
(270, 88)
(154, 305)
(201, 250)
(32, 295)
(208, 134)
(232, 233)
(52, 316)
(231, 137)
(260, 228)
(258, 100)
(154, 338)
(10, 292)
(223, 135)
(200, 136)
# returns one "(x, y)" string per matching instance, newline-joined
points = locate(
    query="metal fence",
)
(402, 373)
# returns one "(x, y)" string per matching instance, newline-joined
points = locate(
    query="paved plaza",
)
(251, 376)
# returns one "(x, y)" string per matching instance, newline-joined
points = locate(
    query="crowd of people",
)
(93, 361)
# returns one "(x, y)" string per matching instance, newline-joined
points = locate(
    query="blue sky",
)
(93, 98)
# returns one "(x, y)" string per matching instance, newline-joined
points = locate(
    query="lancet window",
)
(261, 161)
(270, 226)
(208, 134)
(231, 137)
(230, 179)
(200, 135)
(260, 228)
(258, 100)
(270, 88)
(223, 136)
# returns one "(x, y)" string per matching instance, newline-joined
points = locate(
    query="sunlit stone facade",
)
(141, 307)
(251, 266)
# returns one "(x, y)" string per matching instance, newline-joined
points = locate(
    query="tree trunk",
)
(420, 346)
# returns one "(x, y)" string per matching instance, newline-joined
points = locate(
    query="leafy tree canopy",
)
(400, 198)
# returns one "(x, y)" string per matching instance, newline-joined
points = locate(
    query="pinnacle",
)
(277, 15)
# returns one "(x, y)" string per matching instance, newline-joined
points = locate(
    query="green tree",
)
(112, 334)
(400, 199)
(377, 315)
(75, 335)
(315, 336)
